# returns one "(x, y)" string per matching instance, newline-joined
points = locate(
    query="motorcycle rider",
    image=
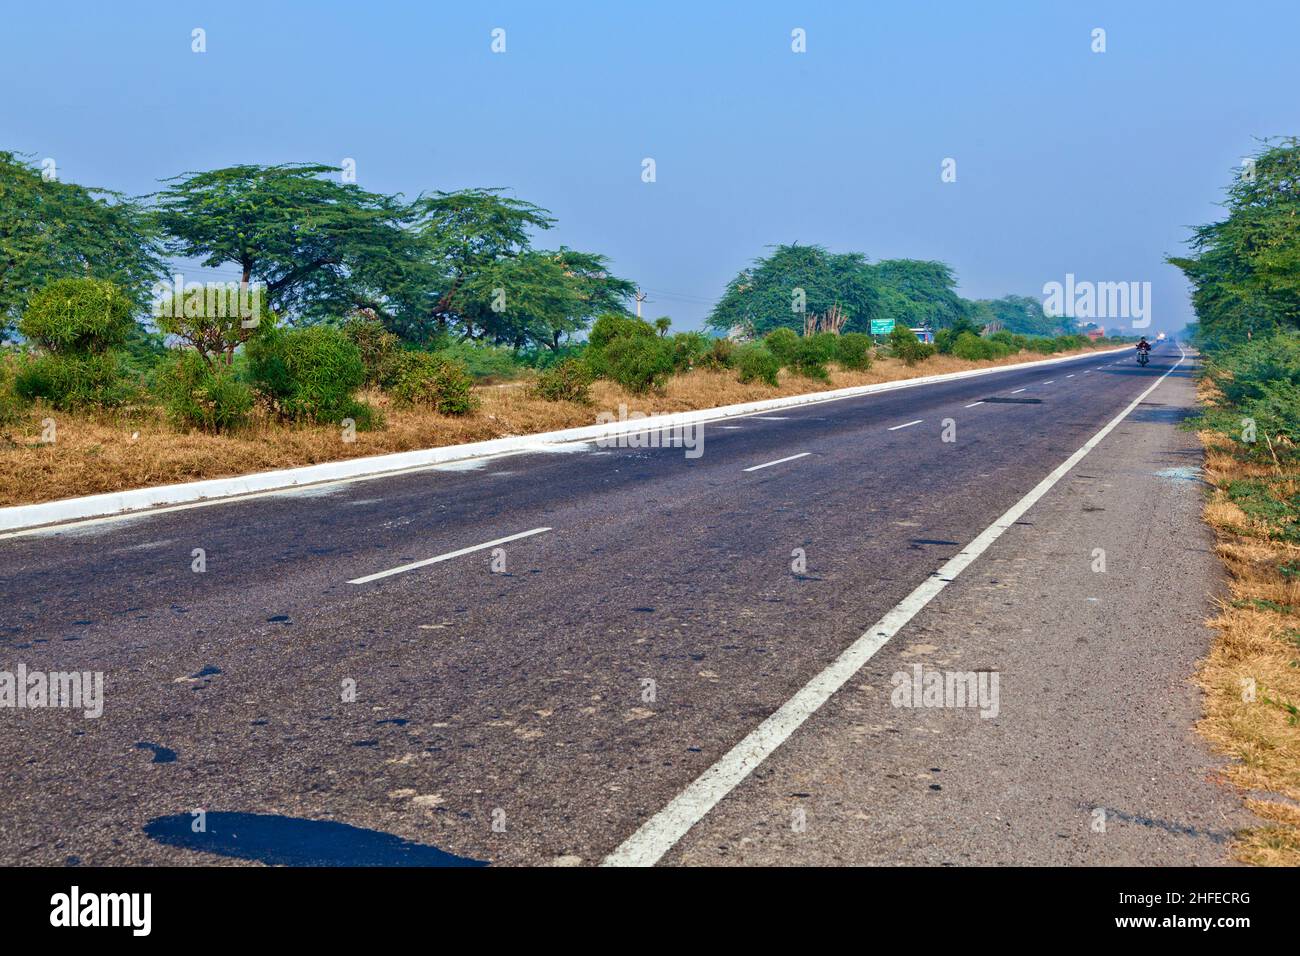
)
(1144, 345)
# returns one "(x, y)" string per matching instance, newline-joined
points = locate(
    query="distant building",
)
(1096, 333)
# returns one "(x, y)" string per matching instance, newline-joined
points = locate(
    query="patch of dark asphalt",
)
(160, 754)
(292, 841)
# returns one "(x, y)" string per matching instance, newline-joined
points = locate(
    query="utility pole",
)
(640, 297)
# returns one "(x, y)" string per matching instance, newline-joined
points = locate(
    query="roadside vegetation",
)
(1245, 274)
(360, 323)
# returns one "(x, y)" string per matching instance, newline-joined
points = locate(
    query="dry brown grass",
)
(136, 448)
(1252, 675)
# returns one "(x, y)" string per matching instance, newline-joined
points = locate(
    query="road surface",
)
(541, 703)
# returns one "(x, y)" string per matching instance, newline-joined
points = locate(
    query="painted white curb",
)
(140, 499)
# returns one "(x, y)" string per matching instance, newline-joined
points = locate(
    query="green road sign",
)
(882, 326)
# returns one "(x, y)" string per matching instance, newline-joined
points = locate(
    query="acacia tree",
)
(778, 290)
(1021, 314)
(543, 296)
(460, 237)
(925, 290)
(53, 230)
(319, 246)
(1245, 271)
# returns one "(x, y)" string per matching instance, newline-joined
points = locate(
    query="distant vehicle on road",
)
(1143, 350)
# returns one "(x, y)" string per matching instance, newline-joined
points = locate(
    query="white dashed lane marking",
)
(445, 557)
(769, 464)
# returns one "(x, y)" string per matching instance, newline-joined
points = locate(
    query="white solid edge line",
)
(769, 464)
(973, 404)
(445, 557)
(661, 832)
(67, 513)
(894, 428)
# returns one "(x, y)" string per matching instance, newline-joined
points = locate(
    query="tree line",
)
(443, 266)
(446, 263)
(805, 286)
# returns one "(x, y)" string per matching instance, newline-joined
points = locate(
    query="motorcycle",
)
(1143, 356)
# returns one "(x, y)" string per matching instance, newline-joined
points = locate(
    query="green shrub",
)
(637, 362)
(74, 381)
(376, 344)
(612, 326)
(11, 403)
(1063, 343)
(721, 354)
(1241, 373)
(483, 360)
(71, 316)
(309, 374)
(198, 395)
(854, 351)
(425, 378)
(144, 351)
(689, 350)
(825, 344)
(903, 344)
(542, 358)
(1275, 407)
(215, 320)
(757, 364)
(782, 343)
(974, 348)
(570, 381)
(1012, 342)
(809, 359)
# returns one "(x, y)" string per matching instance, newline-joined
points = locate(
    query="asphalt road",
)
(541, 714)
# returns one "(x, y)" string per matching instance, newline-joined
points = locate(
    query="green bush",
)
(903, 344)
(426, 378)
(570, 381)
(721, 354)
(11, 403)
(757, 364)
(76, 316)
(198, 395)
(825, 344)
(971, 346)
(74, 381)
(144, 351)
(689, 350)
(1275, 407)
(543, 358)
(483, 360)
(809, 359)
(309, 374)
(637, 362)
(782, 343)
(1242, 373)
(612, 326)
(376, 344)
(1063, 343)
(1010, 340)
(854, 351)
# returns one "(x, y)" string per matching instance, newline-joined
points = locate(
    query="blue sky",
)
(1067, 161)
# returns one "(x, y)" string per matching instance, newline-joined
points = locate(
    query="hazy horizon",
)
(1068, 161)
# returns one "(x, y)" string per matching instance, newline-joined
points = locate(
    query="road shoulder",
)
(1091, 757)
